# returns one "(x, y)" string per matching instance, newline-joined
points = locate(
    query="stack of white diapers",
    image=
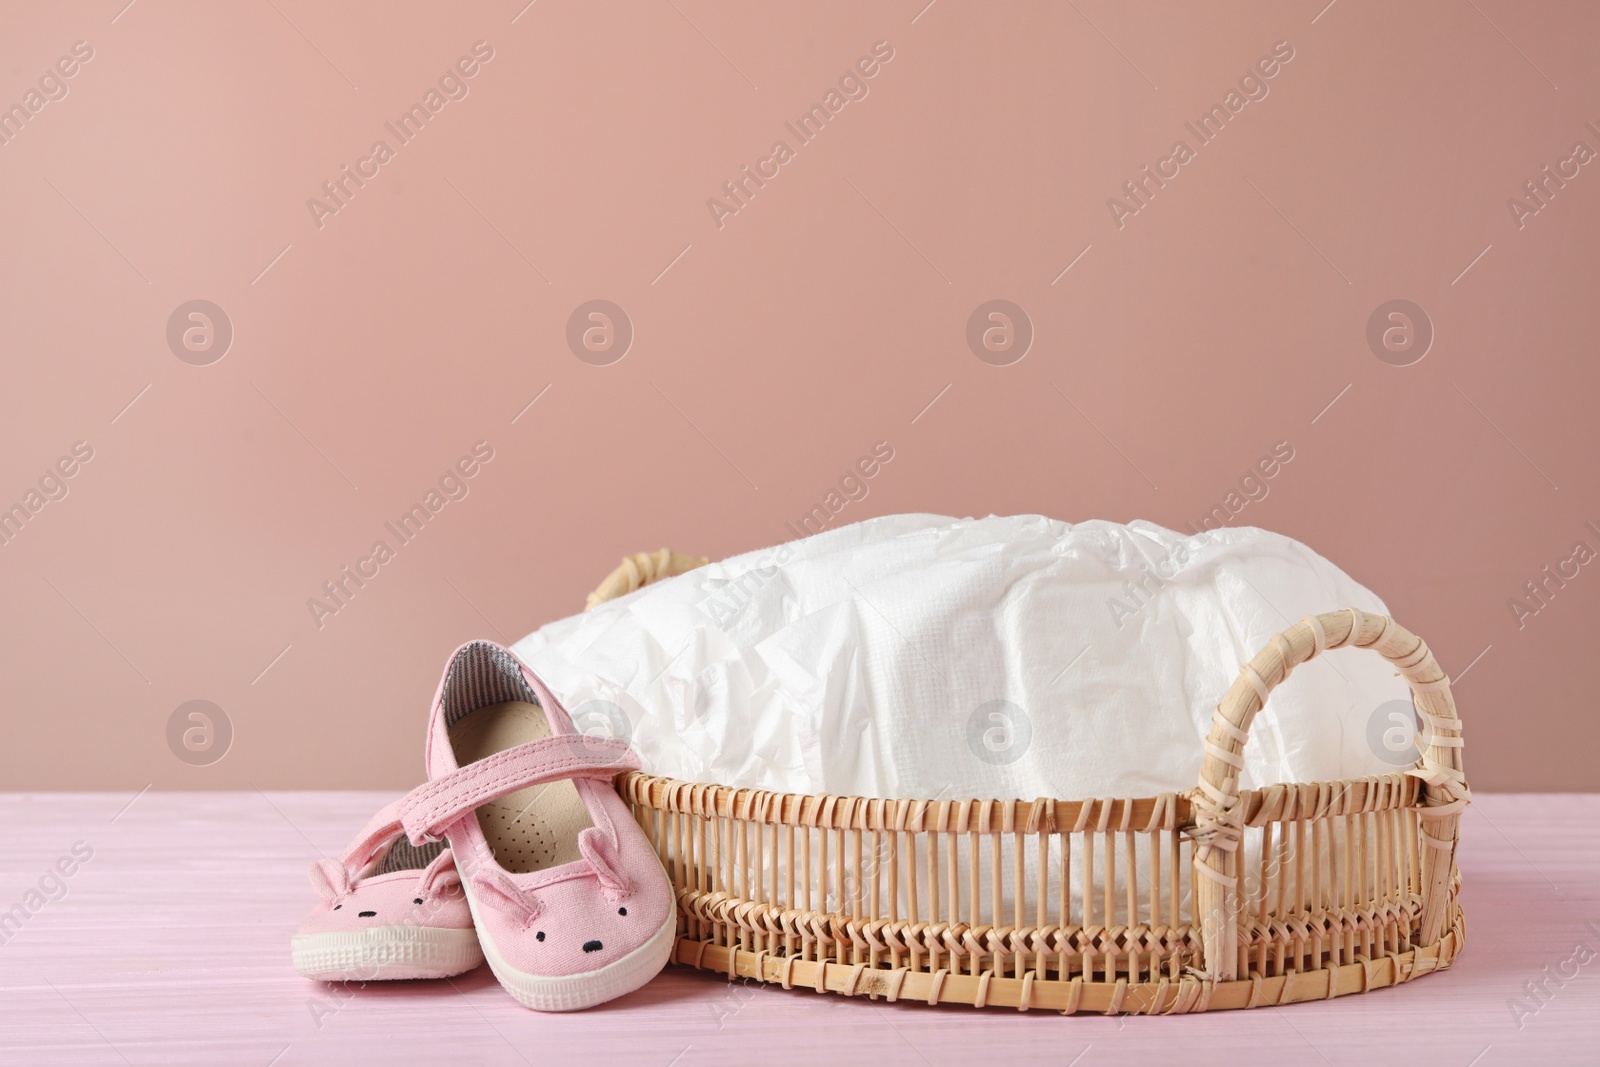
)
(929, 657)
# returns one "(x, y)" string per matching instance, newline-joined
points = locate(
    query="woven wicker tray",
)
(1207, 899)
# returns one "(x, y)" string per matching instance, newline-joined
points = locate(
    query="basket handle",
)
(1218, 823)
(640, 569)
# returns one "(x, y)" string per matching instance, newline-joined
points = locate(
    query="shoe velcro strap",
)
(429, 808)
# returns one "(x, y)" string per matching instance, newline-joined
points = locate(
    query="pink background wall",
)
(374, 346)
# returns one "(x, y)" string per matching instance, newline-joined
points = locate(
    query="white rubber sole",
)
(573, 992)
(384, 953)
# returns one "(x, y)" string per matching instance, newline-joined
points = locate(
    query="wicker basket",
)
(1299, 891)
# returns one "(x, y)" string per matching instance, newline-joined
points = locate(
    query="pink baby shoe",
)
(571, 904)
(388, 910)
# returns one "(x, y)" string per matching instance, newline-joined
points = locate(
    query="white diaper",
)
(929, 657)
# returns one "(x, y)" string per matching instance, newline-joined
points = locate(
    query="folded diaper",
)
(932, 657)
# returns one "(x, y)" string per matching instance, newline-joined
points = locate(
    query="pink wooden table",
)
(170, 946)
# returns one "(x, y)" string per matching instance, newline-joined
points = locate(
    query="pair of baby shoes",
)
(518, 849)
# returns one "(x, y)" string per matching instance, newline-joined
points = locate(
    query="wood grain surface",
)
(169, 945)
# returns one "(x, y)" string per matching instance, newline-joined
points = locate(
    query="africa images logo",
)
(52, 87)
(852, 87)
(453, 486)
(452, 86)
(1253, 88)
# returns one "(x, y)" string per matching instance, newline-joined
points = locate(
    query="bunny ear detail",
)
(601, 854)
(493, 883)
(330, 879)
(441, 874)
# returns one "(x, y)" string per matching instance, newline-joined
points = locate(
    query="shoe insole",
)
(533, 828)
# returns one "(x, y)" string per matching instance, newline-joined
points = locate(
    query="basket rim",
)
(1279, 802)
